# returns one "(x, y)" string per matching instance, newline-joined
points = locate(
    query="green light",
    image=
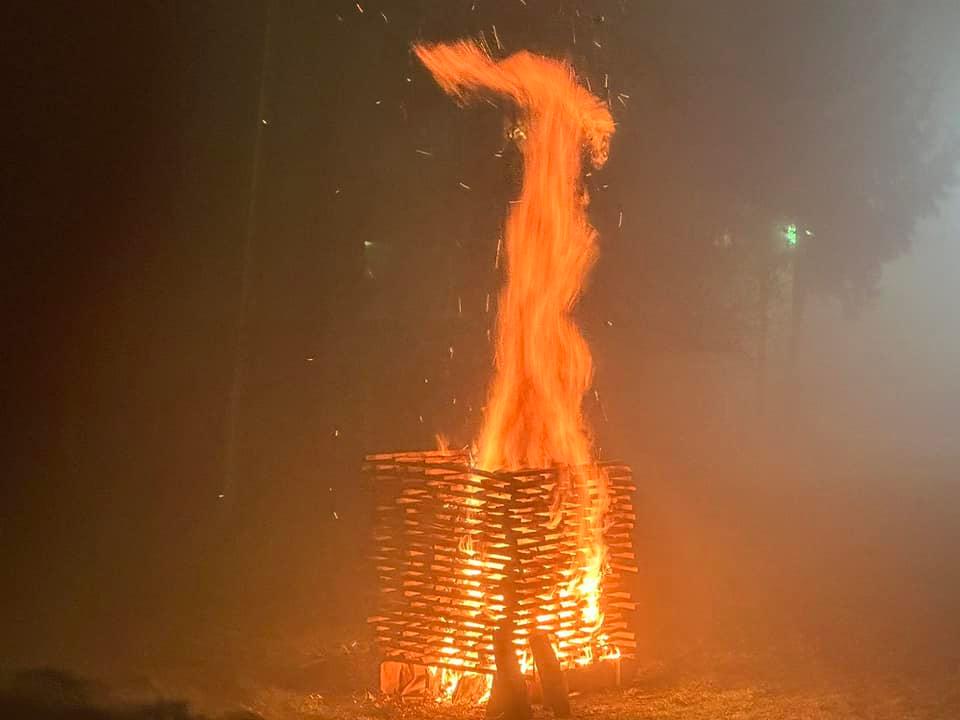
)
(791, 234)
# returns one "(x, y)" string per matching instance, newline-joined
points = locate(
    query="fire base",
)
(416, 682)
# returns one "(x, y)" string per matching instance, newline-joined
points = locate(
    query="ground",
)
(745, 689)
(877, 699)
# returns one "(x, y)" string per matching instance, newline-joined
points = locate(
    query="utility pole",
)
(764, 311)
(798, 299)
(239, 379)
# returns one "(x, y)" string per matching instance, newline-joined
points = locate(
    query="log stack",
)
(461, 554)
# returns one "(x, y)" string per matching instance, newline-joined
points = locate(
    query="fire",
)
(543, 365)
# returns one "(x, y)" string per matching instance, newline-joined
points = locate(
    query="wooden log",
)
(508, 698)
(553, 682)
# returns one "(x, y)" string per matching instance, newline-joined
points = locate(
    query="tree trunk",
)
(552, 680)
(508, 698)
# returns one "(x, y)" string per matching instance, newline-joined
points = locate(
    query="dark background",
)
(819, 525)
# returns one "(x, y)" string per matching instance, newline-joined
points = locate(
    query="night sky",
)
(125, 202)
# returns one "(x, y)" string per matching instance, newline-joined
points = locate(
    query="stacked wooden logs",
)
(469, 561)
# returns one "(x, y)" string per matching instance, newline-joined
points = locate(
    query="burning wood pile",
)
(515, 557)
(463, 553)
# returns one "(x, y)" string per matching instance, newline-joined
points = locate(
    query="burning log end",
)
(552, 680)
(508, 697)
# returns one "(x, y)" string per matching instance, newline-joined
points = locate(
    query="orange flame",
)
(543, 365)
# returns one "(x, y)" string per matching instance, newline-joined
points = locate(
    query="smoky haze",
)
(790, 411)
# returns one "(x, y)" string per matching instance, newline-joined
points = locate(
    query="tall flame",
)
(543, 365)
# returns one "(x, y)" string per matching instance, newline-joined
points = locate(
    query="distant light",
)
(790, 234)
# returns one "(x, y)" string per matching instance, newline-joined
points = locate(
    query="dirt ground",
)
(750, 690)
(887, 699)
(707, 688)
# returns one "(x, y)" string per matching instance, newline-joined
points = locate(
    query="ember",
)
(531, 537)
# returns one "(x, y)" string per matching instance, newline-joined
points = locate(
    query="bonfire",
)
(502, 567)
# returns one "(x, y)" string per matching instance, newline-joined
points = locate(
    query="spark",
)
(451, 352)
(464, 185)
(496, 262)
(335, 516)
(620, 220)
(425, 153)
(486, 308)
(609, 323)
(597, 44)
(264, 121)
(606, 81)
(459, 305)
(483, 43)
(220, 496)
(496, 38)
(426, 380)
(421, 419)
(359, 7)
(384, 16)
(336, 432)
(310, 359)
